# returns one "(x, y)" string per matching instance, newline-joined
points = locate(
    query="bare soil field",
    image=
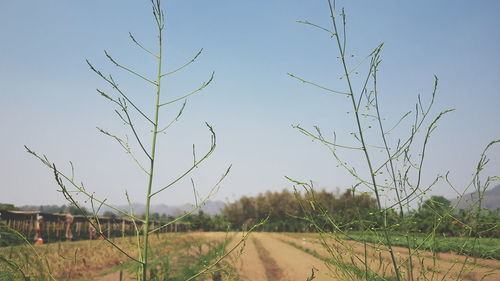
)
(262, 257)
(286, 257)
(426, 266)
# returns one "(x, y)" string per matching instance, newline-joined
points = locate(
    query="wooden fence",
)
(55, 227)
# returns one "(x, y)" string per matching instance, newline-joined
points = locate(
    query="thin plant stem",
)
(144, 266)
(342, 50)
(391, 164)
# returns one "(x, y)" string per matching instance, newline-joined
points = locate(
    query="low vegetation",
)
(174, 256)
(488, 248)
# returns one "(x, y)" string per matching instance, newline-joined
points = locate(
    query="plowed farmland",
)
(261, 257)
(292, 257)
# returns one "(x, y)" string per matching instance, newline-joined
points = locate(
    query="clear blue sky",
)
(48, 99)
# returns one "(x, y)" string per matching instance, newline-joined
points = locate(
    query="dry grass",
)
(82, 259)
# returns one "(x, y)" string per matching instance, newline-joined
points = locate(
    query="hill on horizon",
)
(209, 207)
(491, 199)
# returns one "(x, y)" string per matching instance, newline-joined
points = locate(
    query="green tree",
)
(109, 214)
(8, 207)
(434, 215)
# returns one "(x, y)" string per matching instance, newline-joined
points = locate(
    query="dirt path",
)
(246, 260)
(445, 267)
(294, 263)
(115, 276)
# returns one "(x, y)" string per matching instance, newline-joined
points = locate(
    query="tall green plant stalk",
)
(125, 106)
(479, 188)
(403, 181)
(341, 45)
(342, 49)
(405, 191)
(160, 25)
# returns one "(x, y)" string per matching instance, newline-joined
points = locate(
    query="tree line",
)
(287, 211)
(311, 211)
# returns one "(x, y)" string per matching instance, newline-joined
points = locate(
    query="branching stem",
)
(341, 47)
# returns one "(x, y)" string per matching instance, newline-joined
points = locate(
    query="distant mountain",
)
(209, 207)
(491, 199)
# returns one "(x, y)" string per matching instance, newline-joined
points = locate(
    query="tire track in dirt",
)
(246, 260)
(273, 271)
(295, 264)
